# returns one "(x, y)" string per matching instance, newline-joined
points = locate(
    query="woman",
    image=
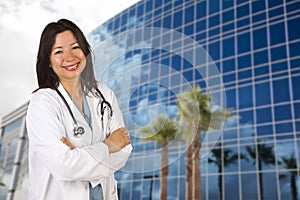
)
(77, 138)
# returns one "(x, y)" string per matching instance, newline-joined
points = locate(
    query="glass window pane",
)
(228, 16)
(263, 70)
(6, 180)
(189, 29)
(245, 74)
(12, 126)
(244, 61)
(243, 11)
(230, 160)
(260, 38)
(263, 115)
(231, 187)
(262, 94)
(293, 29)
(270, 185)
(227, 4)
(259, 17)
(214, 50)
(231, 98)
(264, 130)
(261, 57)
(281, 66)
(297, 110)
(201, 9)
(275, 3)
(278, 53)
(294, 49)
(283, 113)
(214, 6)
(248, 164)
(246, 117)
(258, 6)
(212, 183)
(189, 14)
(277, 33)
(244, 43)
(177, 19)
(228, 65)
(281, 90)
(282, 128)
(249, 186)
(214, 21)
(276, 12)
(167, 22)
(296, 88)
(228, 47)
(245, 97)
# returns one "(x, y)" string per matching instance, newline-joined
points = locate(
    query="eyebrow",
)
(60, 47)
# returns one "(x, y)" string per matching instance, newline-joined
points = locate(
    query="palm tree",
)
(162, 131)
(290, 163)
(263, 155)
(195, 112)
(220, 155)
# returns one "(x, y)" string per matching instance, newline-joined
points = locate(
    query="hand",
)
(117, 140)
(66, 142)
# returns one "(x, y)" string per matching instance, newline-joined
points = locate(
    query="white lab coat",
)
(55, 171)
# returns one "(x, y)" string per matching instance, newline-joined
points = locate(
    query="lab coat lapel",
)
(93, 103)
(86, 138)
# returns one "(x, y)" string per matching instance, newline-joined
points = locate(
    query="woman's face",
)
(67, 58)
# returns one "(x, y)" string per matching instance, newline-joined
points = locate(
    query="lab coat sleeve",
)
(118, 159)
(45, 129)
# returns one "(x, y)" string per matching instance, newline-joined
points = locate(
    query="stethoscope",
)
(79, 130)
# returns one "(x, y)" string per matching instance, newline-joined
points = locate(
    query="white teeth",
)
(71, 67)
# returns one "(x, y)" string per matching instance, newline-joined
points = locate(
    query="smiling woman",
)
(73, 152)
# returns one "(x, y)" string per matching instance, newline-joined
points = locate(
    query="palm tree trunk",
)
(189, 172)
(220, 183)
(196, 145)
(164, 171)
(260, 179)
(293, 187)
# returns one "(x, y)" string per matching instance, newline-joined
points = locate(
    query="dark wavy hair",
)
(45, 74)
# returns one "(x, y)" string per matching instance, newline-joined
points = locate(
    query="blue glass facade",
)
(254, 45)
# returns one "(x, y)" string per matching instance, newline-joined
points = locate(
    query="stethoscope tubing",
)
(78, 130)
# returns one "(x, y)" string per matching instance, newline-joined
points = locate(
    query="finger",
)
(66, 142)
(125, 131)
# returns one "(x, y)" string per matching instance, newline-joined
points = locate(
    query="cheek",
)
(55, 62)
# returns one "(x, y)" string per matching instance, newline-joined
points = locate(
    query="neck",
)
(73, 88)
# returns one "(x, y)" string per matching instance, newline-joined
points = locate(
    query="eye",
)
(76, 47)
(58, 52)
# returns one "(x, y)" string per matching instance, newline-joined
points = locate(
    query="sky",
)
(21, 24)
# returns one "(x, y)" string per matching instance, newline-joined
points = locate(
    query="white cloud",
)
(21, 23)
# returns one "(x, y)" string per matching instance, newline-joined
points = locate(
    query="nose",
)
(68, 55)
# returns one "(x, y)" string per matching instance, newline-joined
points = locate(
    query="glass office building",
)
(245, 53)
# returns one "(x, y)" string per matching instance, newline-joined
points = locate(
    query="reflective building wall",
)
(244, 53)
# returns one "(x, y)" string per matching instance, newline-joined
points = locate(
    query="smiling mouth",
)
(72, 67)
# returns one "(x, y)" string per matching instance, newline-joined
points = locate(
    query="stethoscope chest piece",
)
(78, 131)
